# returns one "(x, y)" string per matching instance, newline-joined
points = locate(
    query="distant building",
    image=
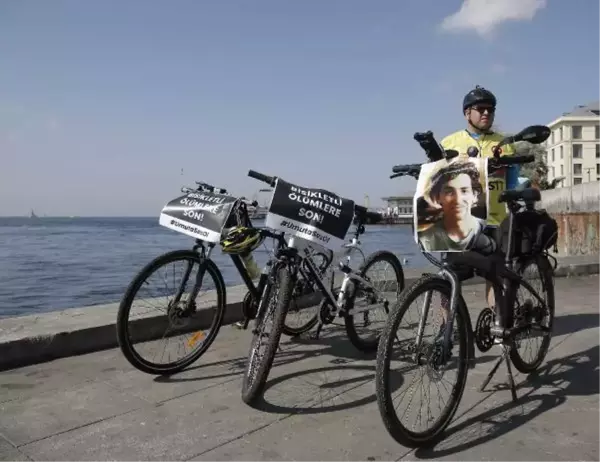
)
(573, 148)
(399, 205)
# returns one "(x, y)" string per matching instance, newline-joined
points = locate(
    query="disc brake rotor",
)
(483, 338)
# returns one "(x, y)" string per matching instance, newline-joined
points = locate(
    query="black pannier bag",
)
(534, 232)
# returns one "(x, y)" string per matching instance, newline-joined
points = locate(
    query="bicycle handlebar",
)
(405, 168)
(408, 169)
(210, 188)
(247, 202)
(201, 184)
(512, 160)
(493, 163)
(428, 143)
(270, 180)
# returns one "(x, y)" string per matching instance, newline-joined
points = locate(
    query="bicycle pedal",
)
(240, 325)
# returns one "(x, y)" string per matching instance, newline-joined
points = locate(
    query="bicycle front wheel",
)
(276, 299)
(421, 358)
(167, 319)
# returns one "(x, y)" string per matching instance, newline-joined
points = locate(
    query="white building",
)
(573, 147)
(399, 205)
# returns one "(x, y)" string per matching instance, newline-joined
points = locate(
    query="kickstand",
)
(506, 357)
(318, 331)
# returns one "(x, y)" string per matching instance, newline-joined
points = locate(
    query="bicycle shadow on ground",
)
(490, 425)
(343, 354)
(330, 394)
(572, 323)
(345, 350)
(233, 367)
(340, 391)
(573, 375)
(331, 343)
(335, 337)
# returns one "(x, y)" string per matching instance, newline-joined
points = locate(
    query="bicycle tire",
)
(384, 399)
(296, 331)
(312, 322)
(123, 338)
(545, 271)
(252, 389)
(364, 345)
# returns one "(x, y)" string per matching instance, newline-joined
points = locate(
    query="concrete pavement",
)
(319, 404)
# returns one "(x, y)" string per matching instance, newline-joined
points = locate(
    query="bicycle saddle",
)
(527, 195)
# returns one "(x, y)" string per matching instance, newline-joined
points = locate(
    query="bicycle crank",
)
(249, 308)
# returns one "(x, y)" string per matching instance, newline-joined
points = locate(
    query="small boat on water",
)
(257, 213)
(33, 215)
(260, 211)
(371, 220)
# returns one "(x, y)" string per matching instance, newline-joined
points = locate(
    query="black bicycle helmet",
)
(478, 95)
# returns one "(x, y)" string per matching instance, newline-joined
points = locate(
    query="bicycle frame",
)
(338, 304)
(206, 249)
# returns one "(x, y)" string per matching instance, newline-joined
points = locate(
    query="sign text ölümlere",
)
(313, 214)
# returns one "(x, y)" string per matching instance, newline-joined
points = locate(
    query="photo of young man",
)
(456, 194)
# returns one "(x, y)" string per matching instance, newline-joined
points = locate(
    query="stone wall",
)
(576, 209)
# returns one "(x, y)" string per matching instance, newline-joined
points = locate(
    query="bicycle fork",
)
(449, 314)
(190, 302)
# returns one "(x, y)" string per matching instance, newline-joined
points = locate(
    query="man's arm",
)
(509, 150)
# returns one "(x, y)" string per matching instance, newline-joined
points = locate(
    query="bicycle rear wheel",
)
(276, 299)
(196, 328)
(392, 286)
(303, 312)
(538, 273)
(426, 358)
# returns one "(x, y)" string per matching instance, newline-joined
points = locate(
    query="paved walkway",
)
(320, 403)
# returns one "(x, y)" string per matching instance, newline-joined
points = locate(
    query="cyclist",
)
(479, 110)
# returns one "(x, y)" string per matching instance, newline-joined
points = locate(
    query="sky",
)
(107, 108)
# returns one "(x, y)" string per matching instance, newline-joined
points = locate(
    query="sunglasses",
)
(481, 110)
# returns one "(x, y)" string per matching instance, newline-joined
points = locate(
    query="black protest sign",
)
(313, 214)
(198, 214)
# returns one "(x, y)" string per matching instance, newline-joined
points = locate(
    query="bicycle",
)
(289, 260)
(181, 312)
(505, 269)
